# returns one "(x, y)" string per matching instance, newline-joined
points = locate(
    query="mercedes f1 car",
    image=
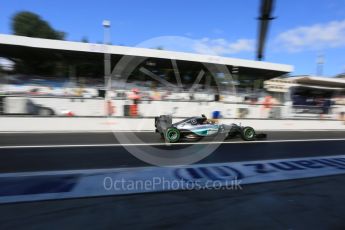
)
(199, 127)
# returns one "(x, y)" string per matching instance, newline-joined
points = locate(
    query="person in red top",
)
(135, 96)
(267, 103)
(267, 106)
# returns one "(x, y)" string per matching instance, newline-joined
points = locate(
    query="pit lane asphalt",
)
(26, 158)
(316, 203)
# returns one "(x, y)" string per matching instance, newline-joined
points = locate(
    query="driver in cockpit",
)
(207, 121)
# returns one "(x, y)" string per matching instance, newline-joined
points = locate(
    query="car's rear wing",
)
(162, 123)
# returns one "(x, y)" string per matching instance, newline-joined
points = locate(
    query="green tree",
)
(32, 25)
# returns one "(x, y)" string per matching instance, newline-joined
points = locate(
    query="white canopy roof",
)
(134, 51)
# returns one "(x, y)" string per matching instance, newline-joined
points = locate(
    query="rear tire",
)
(173, 135)
(232, 133)
(248, 133)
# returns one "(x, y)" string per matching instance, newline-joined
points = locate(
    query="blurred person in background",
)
(326, 105)
(156, 96)
(342, 117)
(266, 106)
(135, 97)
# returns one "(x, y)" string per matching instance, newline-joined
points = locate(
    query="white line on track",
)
(165, 144)
(76, 131)
(152, 131)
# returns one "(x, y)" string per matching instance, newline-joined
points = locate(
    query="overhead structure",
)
(313, 82)
(265, 17)
(19, 47)
(85, 61)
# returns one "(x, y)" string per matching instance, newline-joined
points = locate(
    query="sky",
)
(302, 31)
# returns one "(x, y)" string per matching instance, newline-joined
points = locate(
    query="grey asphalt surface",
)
(315, 203)
(86, 157)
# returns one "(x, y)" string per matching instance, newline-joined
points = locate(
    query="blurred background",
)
(42, 73)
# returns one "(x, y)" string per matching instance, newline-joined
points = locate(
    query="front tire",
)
(173, 135)
(248, 134)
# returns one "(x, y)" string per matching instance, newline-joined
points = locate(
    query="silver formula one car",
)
(199, 127)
